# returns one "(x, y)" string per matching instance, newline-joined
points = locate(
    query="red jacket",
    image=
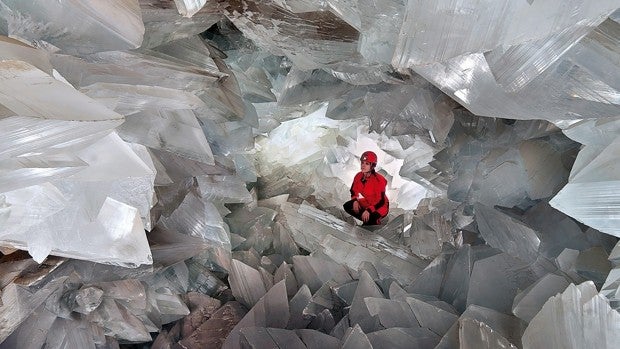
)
(372, 192)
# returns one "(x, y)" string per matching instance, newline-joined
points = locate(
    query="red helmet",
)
(369, 156)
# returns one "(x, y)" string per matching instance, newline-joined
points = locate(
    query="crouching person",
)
(368, 200)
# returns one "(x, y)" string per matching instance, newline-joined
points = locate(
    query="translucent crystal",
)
(430, 279)
(403, 338)
(355, 338)
(611, 287)
(260, 337)
(130, 99)
(595, 186)
(13, 49)
(191, 50)
(456, 280)
(376, 33)
(317, 340)
(507, 326)
(578, 311)
(135, 70)
(162, 22)
(297, 306)
(285, 273)
(507, 234)
(301, 87)
(32, 331)
(360, 312)
(188, 8)
(28, 91)
(555, 230)
(103, 190)
(19, 302)
(476, 334)
(317, 38)
(84, 300)
(549, 90)
(199, 218)
(24, 171)
(528, 302)
(272, 310)
(593, 264)
(246, 283)
(118, 320)
(350, 245)
(431, 317)
(495, 281)
(165, 307)
(96, 26)
(532, 58)
(544, 168)
(313, 272)
(477, 26)
(391, 313)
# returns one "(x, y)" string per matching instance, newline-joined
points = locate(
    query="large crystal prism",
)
(576, 318)
(76, 27)
(447, 29)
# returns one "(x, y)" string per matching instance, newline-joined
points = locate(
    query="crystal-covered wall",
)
(172, 173)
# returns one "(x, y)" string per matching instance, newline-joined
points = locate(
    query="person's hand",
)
(356, 206)
(365, 216)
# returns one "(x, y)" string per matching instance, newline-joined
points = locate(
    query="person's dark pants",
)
(374, 218)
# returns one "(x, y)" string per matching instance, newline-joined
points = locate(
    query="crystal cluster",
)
(172, 173)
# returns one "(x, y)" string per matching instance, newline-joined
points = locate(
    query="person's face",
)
(366, 166)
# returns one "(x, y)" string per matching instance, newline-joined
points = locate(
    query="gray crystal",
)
(346, 292)
(455, 284)
(476, 334)
(270, 311)
(18, 303)
(593, 264)
(300, 301)
(360, 313)
(507, 326)
(495, 281)
(285, 273)
(611, 287)
(33, 332)
(403, 338)
(246, 283)
(507, 234)
(119, 321)
(429, 282)
(321, 300)
(317, 340)
(391, 313)
(432, 317)
(355, 338)
(314, 272)
(260, 337)
(175, 131)
(529, 301)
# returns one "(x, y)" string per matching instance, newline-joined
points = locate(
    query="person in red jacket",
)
(368, 201)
